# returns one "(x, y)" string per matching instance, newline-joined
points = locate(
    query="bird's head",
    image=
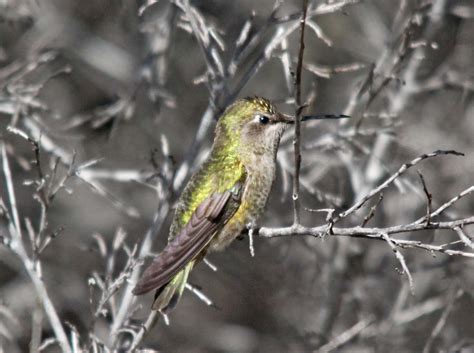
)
(252, 125)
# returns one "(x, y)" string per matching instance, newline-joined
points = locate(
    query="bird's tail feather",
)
(168, 296)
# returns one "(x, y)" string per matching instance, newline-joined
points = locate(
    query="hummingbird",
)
(225, 196)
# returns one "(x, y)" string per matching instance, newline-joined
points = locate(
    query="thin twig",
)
(429, 198)
(448, 204)
(11, 196)
(209, 264)
(405, 316)
(374, 233)
(464, 237)
(371, 213)
(299, 107)
(18, 247)
(344, 337)
(127, 299)
(251, 247)
(200, 294)
(401, 259)
(36, 327)
(442, 321)
(391, 179)
(149, 323)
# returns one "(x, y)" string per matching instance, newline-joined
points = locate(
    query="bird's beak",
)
(284, 118)
(290, 119)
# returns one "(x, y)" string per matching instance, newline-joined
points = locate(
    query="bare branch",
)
(298, 109)
(251, 247)
(442, 321)
(372, 211)
(401, 259)
(18, 247)
(374, 233)
(198, 293)
(11, 195)
(123, 311)
(429, 199)
(36, 327)
(344, 337)
(391, 179)
(464, 237)
(209, 264)
(319, 32)
(149, 323)
(448, 204)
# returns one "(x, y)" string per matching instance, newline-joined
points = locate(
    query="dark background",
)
(113, 82)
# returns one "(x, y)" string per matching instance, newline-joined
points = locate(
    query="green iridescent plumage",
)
(228, 192)
(224, 166)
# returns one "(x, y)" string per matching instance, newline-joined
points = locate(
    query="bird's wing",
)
(207, 219)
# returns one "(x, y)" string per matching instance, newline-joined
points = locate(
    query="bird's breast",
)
(260, 177)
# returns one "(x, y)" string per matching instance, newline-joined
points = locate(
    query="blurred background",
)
(121, 98)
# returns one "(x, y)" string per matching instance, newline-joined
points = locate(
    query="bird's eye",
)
(263, 119)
